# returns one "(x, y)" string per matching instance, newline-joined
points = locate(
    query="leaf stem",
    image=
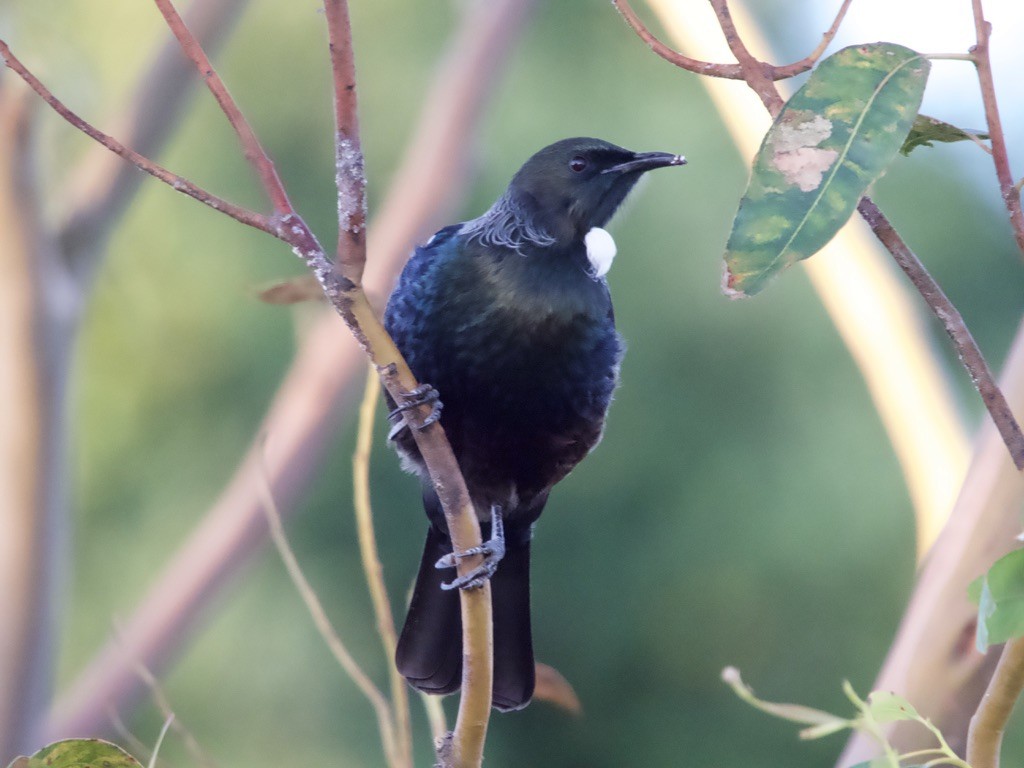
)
(983, 147)
(922, 753)
(949, 56)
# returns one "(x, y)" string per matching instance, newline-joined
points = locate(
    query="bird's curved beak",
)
(646, 161)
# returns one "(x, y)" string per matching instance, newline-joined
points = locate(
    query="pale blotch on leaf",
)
(772, 228)
(796, 154)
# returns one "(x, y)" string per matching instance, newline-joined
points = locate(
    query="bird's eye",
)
(578, 163)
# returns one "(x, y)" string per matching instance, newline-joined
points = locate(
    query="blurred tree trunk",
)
(38, 316)
(46, 273)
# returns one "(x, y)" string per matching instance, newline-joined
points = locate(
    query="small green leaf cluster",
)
(879, 709)
(999, 595)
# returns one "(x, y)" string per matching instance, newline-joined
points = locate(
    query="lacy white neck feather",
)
(509, 225)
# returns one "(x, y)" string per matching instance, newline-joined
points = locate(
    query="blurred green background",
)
(744, 508)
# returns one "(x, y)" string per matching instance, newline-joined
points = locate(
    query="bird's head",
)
(576, 184)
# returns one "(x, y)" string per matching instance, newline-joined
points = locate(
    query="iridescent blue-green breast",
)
(523, 350)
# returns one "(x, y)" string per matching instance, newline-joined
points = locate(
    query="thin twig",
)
(434, 707)
(954, 325)
(728, 71)
(100, 188)
(970, 354)
(374, 570)
(826, 39)
(181, 184)
(983, 64)
(254, 151)
(323, 624)
(985, 735)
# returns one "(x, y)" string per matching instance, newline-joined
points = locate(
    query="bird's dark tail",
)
(429, 653)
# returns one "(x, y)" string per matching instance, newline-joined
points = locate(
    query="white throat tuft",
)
(601, 250)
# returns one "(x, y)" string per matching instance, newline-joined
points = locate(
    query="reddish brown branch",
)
(183, 185)
(753, 70)
(728, 71)
(963, 342)
(254, 151)
(983, 63)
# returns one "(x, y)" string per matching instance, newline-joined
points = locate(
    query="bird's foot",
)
(493, 550)
(424, 394)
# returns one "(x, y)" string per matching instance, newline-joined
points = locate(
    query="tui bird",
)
(509, 321)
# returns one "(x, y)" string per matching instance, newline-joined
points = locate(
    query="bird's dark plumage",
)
(509, 317)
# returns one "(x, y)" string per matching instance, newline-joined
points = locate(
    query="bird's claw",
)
(492, 550)
(424, 394)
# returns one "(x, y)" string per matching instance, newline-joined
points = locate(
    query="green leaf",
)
(1001, 603)
(888, 707)
(974, 589)
(928, 129)
(835, 137)
(78, 753)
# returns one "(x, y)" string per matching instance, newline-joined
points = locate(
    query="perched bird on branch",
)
(508, 321)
